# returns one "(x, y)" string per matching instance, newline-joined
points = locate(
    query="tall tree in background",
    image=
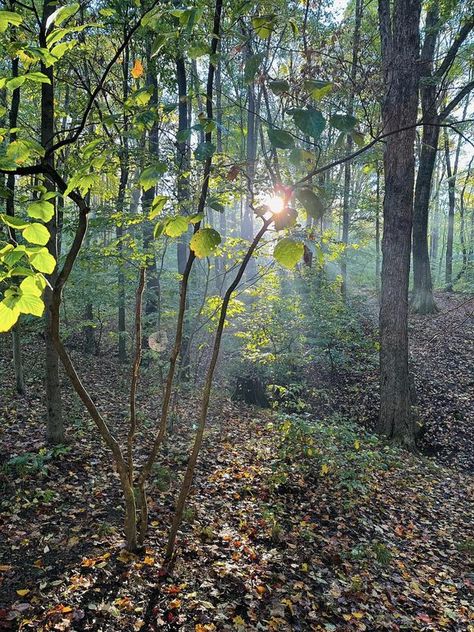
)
(432, 89)
(399, 34)
(54, 426)
(350, 143)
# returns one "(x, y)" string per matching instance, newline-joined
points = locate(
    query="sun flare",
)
(275, 203)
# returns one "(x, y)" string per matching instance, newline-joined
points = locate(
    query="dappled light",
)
(236, 316)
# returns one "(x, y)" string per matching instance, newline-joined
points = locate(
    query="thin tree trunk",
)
(399, 33)
(377, 232)
(247, 220)
(152, 294)
(189, 474)
(448, 270)
(422, 299)
(183, 164)
(119, 233)
(346, 199)
(54, 425)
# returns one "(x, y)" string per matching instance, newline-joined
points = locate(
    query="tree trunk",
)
(54, 424)
(377, 233)
(346, 201)
(152, 294)
(247, 230)
(422, 300)
(399, 32)
(448, 280)
(119, 232)
(183, 164)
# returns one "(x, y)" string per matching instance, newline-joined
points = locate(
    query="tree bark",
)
(119, 231)
(54, 425)
(183, 163)
(247, 230)
(152, 293)
(422, 299)
(399, 32)
(349, 146)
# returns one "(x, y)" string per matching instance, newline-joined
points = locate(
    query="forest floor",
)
(292, 524)
(442, 365)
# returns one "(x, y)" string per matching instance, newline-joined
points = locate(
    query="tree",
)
(399, 35)
(432, 89)
(54, 426)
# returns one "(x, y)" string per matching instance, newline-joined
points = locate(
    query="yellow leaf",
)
(324, 469)
(358, 615)
(23, 592)
(149, 560)
(357, 444)
(238, 620)
(176, 603)
(137, 70)
(304, 567)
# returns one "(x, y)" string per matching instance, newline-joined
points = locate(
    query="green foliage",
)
(288, 252)
(204, 242)
(280, 139)
(311, 202)
(34, 462)
(251, 67)
(309, 121)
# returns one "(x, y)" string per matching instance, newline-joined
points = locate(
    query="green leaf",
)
(9, 17)
(343, 122)
(288, 252)
(61, 15)
(215, 204)
(280, 139)
(311, 202)
(176, 226)
(286, 218)
(13, 222)
(20, 150)
(30, 304)
(358, 138)
(36, 234)
(152, 174)
(251, 66)
(37, 77)
(42, 260)
(159, 42)
(16, 82)
(183, 135)
(279, 86)
(33, 285)
(263, 25)
(158, 230)
(157, 206)
(309, 121)
(8, 315)
(317, 88)
(204, 242)
(41, 209)
(204, 150)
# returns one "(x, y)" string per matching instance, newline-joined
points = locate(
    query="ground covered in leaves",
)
(294, 523)
(442, 365)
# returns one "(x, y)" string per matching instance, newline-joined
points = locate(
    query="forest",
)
(237, 315)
